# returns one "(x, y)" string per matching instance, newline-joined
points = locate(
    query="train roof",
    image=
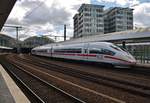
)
(76, 44)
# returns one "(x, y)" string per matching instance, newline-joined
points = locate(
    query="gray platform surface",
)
(5, 95)
(9, 91)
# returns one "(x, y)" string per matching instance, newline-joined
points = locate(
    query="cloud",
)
(121, 2)
(14, 21)
(53, 15)
(142, 15)
(44, 16)
(141, 12)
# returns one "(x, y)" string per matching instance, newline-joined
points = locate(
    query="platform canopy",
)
(5, 9)
(137, 34)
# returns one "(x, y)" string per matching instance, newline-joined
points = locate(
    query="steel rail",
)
(17, 79)
(77, 100)
(139, 88)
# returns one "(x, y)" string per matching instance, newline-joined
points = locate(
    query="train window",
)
(75, 50)
(42, 51)
(33, 51)
(58, 51)
(115, 47)
(108, 52)
(94, 51)
(85, 51)
(70, 50)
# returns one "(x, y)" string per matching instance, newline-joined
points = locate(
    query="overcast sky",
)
(45, 17)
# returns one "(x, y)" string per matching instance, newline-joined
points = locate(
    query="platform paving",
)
(143, 65)
(5, 95)
(9, 91)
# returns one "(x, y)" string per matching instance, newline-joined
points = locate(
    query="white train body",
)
(5, 50)
(103, 52)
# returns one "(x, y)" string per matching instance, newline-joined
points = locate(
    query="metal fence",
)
(140, 52)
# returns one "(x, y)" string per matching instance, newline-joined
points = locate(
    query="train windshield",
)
(119, 48)
(115, 47)
(124, 50)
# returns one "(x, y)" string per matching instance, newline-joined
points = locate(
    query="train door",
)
(95, 53)
(85, 51)
(51, 51)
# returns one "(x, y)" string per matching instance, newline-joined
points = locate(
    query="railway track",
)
(99, 97)
(32, 95)
(132, 87)
(21, 84)
(136, 89)
(133, 70)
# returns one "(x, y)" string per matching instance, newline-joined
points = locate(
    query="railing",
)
(140, 52)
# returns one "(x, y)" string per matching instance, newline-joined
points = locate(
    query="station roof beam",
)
(5, 9)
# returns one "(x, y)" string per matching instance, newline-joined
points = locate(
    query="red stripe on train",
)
(111, 57)
(90, 55)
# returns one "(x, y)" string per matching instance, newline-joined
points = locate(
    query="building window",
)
(87, 19)
(87, 14)
(119, 12)
(129, 13)
(130, 18)
(120, 27)
(87, 30)
(119, 17)
(99, 30)
(88, 24)
(99, 15)
(119, 22)
(99, 25)
(85, 9)
(99, 20)
(99, 10)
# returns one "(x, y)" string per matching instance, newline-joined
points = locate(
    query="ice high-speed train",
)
(5, 50)
(103, 52)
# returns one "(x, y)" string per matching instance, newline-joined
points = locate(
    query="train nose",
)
(132, 59)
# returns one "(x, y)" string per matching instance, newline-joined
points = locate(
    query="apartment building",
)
(93, 19)
(118, 19)
(89, 20)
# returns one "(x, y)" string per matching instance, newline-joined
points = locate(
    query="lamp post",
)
(17, 34)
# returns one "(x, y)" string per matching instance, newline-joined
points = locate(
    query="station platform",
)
(146, 65)
(9, 91)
